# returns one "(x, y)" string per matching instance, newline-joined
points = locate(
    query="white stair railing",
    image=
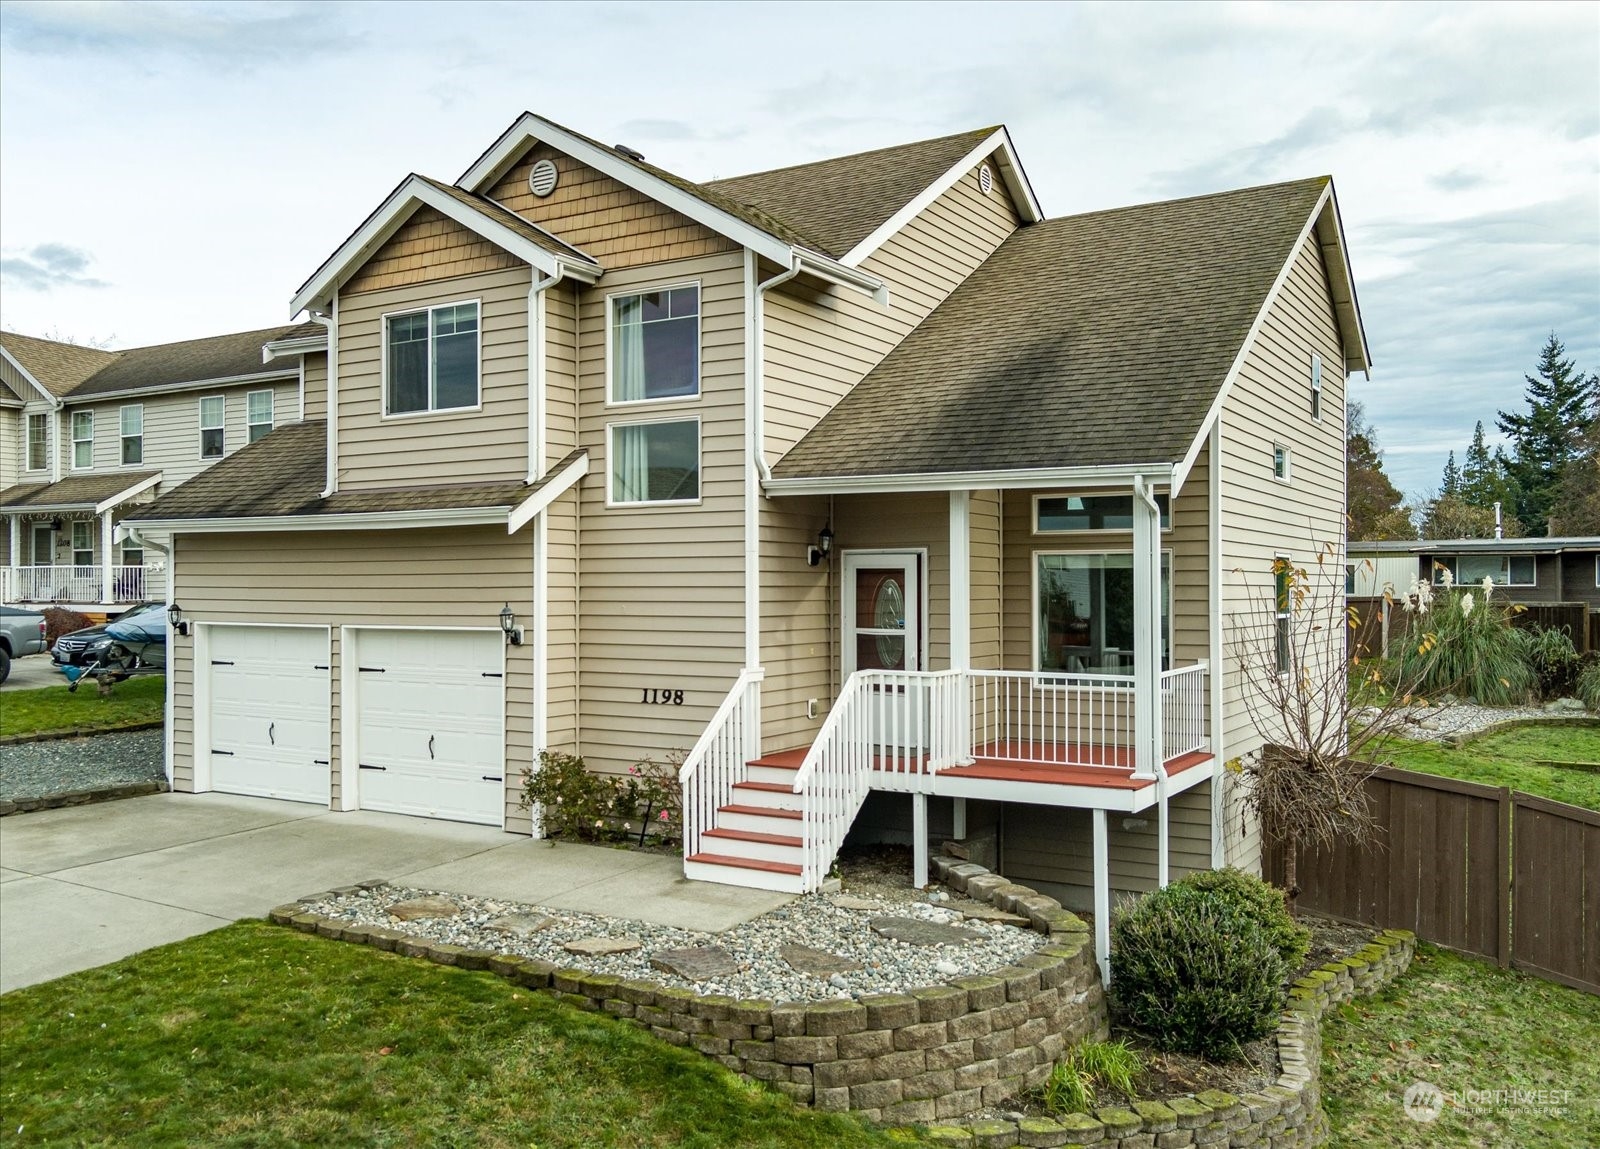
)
(1183, 711)
(720, 758)
(835, 777)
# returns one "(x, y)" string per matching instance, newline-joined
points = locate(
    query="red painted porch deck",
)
(1112, 766)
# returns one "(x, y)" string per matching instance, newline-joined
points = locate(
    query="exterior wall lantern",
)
(180, 625)
(508, 624)
(816, 555)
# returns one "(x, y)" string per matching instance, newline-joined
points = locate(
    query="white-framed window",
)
(653, 345)
(82, 440)
(1316, 388)
(1504, 570)
(82, 543)
(1070, 514)
(654, 463)
(1283, 612)
(132, 556)
(1280, 462)
(258, 415)
(213, 426)
(131, 419)
(1083, 612)
(431, 359)
(38, 442)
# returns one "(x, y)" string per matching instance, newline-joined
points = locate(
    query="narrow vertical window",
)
(1283, 610)
(82, 543)
(82, 439)
(1280, 462)
(1316, 388)
(38, 448)
(258, 415)
(213, 435)
(132, 418)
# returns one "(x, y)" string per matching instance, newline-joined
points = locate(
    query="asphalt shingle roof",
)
(841, 201)
(74, 491)
(191, 361)
(59, 367)
(284, 473)
(1095, 339)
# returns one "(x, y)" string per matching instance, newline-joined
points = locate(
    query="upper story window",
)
(82, 439)
(1503, 570)
(213, 426)
(1316, 388)
(431, 360)
(132, 418)
(1064, 514)
(654, 350)
(258, 415)
(653, 462)
(38, 445)
(1280, 462)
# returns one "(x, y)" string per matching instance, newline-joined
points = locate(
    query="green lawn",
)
(1506, 759)
(51, 708)
(1463, 1025)
(258, 1035)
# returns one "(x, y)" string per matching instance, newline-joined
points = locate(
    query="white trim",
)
(1288, 462)
(1218, 671)
(1094, 550)
(428, 309)
(1102, 897)
(123, 436)
(200, 419)
(960, 580)
(541, 660)
(331, 398)
(1010, 171)
(27, 442)
(44, 392)
(699, 465)
(699, 344)
(1597, 570)
(356, 520)
(300, 345)
(278, 376)
(272, 410)
(554, 487)
(73, 440)
(167, 748)
(144, 484)
(1119, 475)
(530, 129)
(393, 213)
(754, 459)
(914, 561)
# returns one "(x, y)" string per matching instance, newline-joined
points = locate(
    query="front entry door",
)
(882, 630)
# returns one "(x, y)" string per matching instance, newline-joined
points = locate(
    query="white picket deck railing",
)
(80, 584)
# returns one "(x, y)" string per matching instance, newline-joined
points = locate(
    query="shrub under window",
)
(432, 359)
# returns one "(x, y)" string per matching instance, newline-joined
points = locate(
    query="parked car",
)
(79, 647)
(21, 632)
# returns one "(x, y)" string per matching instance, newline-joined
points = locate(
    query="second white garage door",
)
(430, 708)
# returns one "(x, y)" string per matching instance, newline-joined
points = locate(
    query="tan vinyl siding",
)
(317, 385)
(988, 578)
(607, 220)
(11, 446)
(423, 578)
(661, 589)
(902, 522)
(798, 623)
(820, 342)
(1270, 402)
(486, 443)
(428, 247)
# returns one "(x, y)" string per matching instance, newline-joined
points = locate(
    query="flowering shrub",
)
(580, 804)
(1463, 640)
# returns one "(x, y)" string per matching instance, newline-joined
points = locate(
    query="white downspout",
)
(54, 439)
(1214, 608)
(1147, 693)
(538, 374)
(331, 322)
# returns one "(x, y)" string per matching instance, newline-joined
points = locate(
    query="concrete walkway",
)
(86, 885)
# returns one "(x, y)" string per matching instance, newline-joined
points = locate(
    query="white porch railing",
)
(1071, 719)
(719, 759)
(80, 584)
(1183, 711)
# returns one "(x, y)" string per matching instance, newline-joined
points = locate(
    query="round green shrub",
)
(1195, 973)
(1261, 901)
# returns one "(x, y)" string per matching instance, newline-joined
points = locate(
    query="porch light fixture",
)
(508, 624)
(56, 524)
(824, 547)
(180, 624)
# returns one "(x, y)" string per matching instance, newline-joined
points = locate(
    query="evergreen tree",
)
(1372, 501)
(1576, 509)
(1450, 485)
(1485, 479)
(1561, 404)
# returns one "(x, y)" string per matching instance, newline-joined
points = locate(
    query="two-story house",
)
(86, 435)
(899, 507)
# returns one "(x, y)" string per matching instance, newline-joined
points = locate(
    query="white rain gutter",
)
(332, 324)
(1116, 475)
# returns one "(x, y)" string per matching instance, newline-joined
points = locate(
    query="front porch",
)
(59, 545)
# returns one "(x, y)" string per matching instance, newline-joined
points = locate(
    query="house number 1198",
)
(658, 697)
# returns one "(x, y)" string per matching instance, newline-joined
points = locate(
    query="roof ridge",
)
(1106, 211)
(988, 131)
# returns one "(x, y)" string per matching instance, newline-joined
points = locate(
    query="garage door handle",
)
(364, 766)
(220, 662)
(492, 674)
(430, 747)
(227, 753)
(271, 739)
(318, 666)
(370, 669)
(492, 778)
(321, 762)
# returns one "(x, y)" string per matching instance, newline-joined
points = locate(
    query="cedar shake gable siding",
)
(1087, 340)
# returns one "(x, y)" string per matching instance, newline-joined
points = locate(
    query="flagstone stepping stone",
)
(697, 963)
(920, 933)
(989, 914)
(601, 947)
(428, 907)
(820, 963)
(849, 902)
(521, 925)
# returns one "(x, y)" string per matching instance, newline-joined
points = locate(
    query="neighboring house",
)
(88, 434)
(1535, 573)
(897, 506)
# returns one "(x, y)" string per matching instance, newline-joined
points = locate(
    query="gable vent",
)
(986, 179)
(542, 178)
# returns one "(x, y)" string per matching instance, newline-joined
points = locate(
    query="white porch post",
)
(1102, 898)
(958, 829)
(960, 582)
(12, 578)
(919, 837)
(105, 556)
(1163, 835)
(1146, 633)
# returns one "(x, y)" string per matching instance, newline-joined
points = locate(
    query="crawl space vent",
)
(542, 178)
(985, 179)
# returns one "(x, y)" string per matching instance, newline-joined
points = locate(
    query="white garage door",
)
(269, 720)
(430, 707)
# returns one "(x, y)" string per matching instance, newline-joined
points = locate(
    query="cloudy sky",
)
(176, 170)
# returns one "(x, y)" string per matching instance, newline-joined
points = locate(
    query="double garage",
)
(421, 717)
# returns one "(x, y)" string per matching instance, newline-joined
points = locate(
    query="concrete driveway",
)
(87, 885)
(32, 671)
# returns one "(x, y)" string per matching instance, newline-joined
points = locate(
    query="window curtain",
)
(631, 467)
(627, 350)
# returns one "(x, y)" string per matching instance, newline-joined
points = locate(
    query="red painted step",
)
(781, 759)
(761, 811)
(769, 787)
(745, 863)
(752, 836)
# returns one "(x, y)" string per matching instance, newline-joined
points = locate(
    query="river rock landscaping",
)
(39, 771)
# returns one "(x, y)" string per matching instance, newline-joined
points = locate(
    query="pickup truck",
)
(21, 632)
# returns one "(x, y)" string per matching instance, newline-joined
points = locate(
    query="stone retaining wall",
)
(1286, 1113)
(83, 797)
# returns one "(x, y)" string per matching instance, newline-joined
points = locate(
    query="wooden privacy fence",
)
(1572, 617)
(1484, 870)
